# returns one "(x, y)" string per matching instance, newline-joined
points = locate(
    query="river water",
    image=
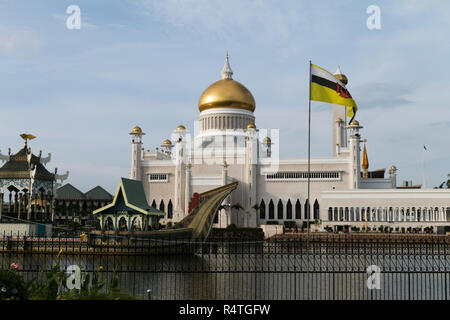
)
(265, 272)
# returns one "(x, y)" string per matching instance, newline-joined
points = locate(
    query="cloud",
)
(381, 95)
(19, 42)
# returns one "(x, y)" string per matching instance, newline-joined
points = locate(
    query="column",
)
(1, 205)
(187, 193)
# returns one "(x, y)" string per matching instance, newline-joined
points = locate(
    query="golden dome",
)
(167, 142)
(226, 93)
(251, 126)
(342, 78)
(136, 130)
(339, 120)
(354, 123)
(181, 127)
(393, 168)
(267, 139)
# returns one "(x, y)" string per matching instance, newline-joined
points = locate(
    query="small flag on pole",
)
(325, 87)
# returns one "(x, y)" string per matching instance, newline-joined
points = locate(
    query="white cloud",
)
(20, 42)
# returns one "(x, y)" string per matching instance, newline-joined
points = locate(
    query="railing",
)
(331, 267)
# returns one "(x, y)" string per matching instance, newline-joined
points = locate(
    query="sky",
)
(146, 63)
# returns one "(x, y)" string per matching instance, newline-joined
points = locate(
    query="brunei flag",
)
(326, 87)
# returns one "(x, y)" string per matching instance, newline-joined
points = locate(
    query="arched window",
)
(154, 204)
(330, 214)
(307, 209)
(161, 206)
(170, 210)
(341, 214)
(271, 210)
(298, 210)
(352, 214)
(280, 210)
(316, 210)
(347, 218)
(336, 217)
(289, 210)
(262, 210)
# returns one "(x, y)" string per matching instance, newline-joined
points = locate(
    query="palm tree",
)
(237, 206)
(256, 207)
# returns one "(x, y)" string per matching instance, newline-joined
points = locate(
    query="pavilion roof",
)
(19, 167)
(132, 191)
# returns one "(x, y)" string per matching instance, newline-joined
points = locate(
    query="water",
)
(268, 271)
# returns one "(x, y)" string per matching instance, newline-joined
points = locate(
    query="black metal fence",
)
(363, 267)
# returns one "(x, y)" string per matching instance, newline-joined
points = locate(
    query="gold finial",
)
(251, 126)
(26, 137)
(365, 159)
(181, 128)
(354, 123)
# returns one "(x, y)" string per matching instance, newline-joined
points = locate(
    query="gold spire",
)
(26, 137)
(365, 159)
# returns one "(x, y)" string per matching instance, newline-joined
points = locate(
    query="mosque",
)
(228, 147)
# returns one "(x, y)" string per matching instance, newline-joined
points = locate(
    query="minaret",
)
(355, 139)
(180, 172)
(393, 176)
(136, 153)
(251, 162)
(339, 120)
(365, 164)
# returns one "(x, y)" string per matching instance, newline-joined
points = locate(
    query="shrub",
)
(13, 286)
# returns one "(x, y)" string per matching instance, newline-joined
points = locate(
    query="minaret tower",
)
(251, 161)
(182, 171)
(355, 140)
(136, 153)
(339, 120)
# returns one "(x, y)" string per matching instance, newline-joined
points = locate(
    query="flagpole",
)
(308, 207)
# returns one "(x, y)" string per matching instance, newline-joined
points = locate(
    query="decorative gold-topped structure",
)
(181, 128)
(227, 93)
(167, 142)
(26, 137)
(365, 159)
(341, 77)
(354, 123)
(251, 126)
(136, 130)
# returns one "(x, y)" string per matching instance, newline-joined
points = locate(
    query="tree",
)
(256, 207)
(238, 207)
(445, 184)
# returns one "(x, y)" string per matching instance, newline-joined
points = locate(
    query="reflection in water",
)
(266, 272)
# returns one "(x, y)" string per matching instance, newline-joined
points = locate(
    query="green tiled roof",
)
(69, 192)
(98, 193)
(134, 196)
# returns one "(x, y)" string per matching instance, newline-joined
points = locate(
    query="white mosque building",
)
(272, 191)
